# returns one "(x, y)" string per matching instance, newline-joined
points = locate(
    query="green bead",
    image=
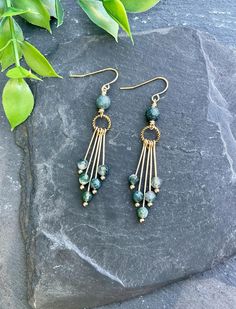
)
(133, 179)
(87, 196)
(137, 196)
(103, 170)
(150, 196)
(95, 183)
(103, 102)
(152, 113)
(142, 212)
(82, 165)
(156, 182)
(84, 179)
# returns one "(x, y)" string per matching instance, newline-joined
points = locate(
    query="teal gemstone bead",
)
(95, 183)
(103, 170)
(150, 196)
(87, 196)
(142, 212)
(103, 101)
(82, 165)
(133, 179)
(84, 179)
(152, 113)
(156, 182)
(137, 196)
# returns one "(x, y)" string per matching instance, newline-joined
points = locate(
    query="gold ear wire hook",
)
(106, 86)
(156, 96)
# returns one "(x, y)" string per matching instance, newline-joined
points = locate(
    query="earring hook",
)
(156, 96)
(106, 86)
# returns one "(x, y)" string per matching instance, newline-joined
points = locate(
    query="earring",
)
(145, 179)
(92, 168)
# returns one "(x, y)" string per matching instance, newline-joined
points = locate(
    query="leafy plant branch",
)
(17, 98)
(112, 14)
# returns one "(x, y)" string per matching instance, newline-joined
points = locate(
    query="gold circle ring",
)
(107, 118)
(149, 141)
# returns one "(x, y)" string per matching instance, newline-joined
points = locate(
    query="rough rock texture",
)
(212, 290)
(216, 17)
(12, 271)
(89, 257)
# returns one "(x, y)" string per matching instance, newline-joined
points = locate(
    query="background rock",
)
(217, 18)
(12, 269)
(76, 251)
(212, 290)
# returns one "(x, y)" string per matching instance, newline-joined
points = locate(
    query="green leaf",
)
(5, 46)
(7, 57)
(20, 72)
(96, 12)
(36, 61)
(2, 6)
(59, 13)
(13, 12)
(138, 6)
(117, 11)
(18, 101)
(38, 14)
(50, 6)
(55, 9)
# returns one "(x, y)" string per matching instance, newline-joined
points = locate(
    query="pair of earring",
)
(93, 169)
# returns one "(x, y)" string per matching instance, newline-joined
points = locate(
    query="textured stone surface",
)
(12, 271)
(212, 290)
(76, 251)
(216, 17)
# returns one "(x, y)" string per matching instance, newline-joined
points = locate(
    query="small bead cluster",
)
(148, 197)
(95, 183)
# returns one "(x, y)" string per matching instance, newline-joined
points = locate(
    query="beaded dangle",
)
(92, 168)
(145, 181)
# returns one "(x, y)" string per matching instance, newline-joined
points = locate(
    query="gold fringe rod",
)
(142, 166)
(146, 175)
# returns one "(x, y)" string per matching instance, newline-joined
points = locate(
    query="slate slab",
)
(89, 257)
(12, 268)
(215, 289)
(217, 18)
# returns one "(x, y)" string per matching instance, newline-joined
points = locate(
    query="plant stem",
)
(14, 41)
(17, 58)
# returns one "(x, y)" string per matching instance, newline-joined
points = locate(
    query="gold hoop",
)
(107, 118)
(150, 141)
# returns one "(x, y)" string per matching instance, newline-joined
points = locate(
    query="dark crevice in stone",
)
(27, 213)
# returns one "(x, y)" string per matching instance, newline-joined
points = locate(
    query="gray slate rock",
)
(89, 257)
(12, 258)
(214, 289)
(216, 17)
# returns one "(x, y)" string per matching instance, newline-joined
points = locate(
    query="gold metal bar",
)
(92, 152)
(150, 171)
(99, 154)
(140, 159)
(89, 146)
(146, 175)
(155, 159)
(141, 173)
(94, 160)
(103, 151)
